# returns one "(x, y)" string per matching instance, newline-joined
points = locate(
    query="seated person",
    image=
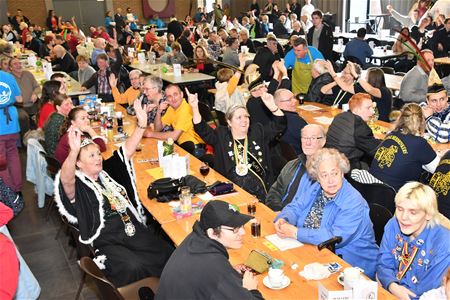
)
(50, 89)
(100, 78)
(174, 57)
(440, 183)
(437, 114)
(265, 57)
(359, 48)
(242, 149)
(151, 91)
(286, 101)
(109, 215)
(230, 54)
(404, 153)
(350, 134)
(8, 258)
(414, 85)
(131, 94)
(77, 118)
(227, 91)
(320, 78)
(281, 193)
(415, 250)
(326, 205)
(179, 116)
(201, 62)
(63, 104)
(245, 41)
(341, 89)
(85, 71)
(64, 60)
(202, 259)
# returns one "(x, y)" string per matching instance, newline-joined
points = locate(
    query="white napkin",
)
(315, 271)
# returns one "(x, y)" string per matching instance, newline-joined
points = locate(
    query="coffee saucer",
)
(286, 281)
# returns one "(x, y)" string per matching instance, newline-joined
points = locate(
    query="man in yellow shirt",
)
(179, 116)
(131, 93)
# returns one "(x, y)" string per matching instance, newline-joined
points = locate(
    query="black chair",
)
(107, 289)
(388, 70)
(206, 113)
(53, 166)
(400, 73)
(288, 151)
(221, 118)
(330, 244)
(378, 193)
(379, 215)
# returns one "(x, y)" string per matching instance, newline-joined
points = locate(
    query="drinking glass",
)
(204, 170)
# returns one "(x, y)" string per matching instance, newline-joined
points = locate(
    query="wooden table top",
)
(186, 77)
(302, 256)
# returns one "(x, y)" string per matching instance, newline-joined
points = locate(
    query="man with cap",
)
(199, 268)
(437, 113)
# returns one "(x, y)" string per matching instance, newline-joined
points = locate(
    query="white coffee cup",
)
(244, 49)
(276, 277)
(118, 114)
(350, 276)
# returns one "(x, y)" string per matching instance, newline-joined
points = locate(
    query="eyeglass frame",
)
(235, 230)
(312, 138)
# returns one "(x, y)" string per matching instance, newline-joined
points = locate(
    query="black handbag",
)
(168, 189)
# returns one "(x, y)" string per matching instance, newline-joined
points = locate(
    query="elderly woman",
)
(329, 206)
(404, 153)
(415, 250)
(101, 198)
(242, 150)
(77, 118)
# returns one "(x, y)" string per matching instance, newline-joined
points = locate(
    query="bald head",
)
(59, 51)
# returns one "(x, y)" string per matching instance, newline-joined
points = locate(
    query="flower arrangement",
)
(168, 147)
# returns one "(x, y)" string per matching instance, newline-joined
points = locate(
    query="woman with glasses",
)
(326, 206)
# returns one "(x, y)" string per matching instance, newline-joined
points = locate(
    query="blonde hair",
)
(423, 197)
(312, 164)
(411, 120)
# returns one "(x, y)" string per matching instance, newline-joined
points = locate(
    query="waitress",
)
(242, 150)
(301, 59)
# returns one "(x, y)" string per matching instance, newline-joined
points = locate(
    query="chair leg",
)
(49, 210)
(80, 287)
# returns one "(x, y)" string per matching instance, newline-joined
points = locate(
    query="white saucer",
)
(340, 279)
(285, 283)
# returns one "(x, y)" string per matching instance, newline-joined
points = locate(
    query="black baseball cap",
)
(435, 88)
(217, 213)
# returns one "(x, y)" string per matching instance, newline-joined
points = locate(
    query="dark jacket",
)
(34, 45)
(199, 269)
(264, 59)
(314, 94)
(65, 64)
(280, 31)
(113, 68)
(349, 134)
(186, 46)
(325, 40)
(175, 28)
(285, 187)
(250, 45)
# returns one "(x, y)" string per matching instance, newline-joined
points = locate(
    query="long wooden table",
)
(177, 230)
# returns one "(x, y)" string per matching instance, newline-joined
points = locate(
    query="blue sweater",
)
(429, 265)
(347, 215)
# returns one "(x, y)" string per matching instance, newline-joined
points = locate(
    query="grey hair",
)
(154, 80)
(135, 71)
(312, 164)
(232, 110)
(319, 66)
(320, 127)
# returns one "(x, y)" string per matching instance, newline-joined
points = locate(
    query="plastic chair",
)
(108, 291)
(379, 215)
(381, 194)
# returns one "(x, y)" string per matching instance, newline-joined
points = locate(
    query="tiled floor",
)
(53, 262)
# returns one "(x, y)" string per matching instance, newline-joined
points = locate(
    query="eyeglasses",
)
(312, 138)
(234, 230)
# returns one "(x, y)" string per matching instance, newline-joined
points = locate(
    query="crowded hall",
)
(223, 149)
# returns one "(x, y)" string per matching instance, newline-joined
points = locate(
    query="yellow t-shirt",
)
(181, 118)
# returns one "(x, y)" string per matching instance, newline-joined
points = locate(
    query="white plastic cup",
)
(350, 276)
(345, 107)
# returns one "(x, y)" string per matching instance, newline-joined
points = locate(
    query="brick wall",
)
(34, 10)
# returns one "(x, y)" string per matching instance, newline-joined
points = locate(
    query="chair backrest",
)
(53, 166)
(400, 73)
(376, 193)
(388, 70)
(107, 290)
(205, 112)
(288, 151)
(379, 215)
(221, 118)
(82, 249)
